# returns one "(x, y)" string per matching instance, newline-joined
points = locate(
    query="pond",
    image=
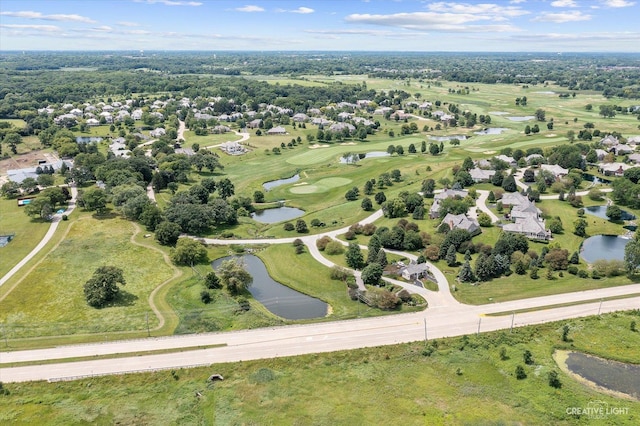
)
(491, 131)
(521, 118)
(372, 154)
(88, 139)
(277, 298)
(607, 247)
(278, 214)
(611, 375)
(601, 211)
(594, 179)
(448, 138)
(273, 183)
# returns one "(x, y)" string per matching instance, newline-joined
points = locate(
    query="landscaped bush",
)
(334, 247)
(340, 273)
(321, 243)
(572, 269)
(288, 226)
(583, 274)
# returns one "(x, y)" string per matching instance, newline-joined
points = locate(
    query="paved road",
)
(310, 338)
(47, 237)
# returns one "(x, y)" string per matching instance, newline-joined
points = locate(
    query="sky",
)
(330, 25)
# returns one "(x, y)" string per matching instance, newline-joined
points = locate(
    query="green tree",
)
(102, 287)
(354, 257)
(372, 273)
(520, 373)
(366, 204)
(40, 207)
(381, 258)
(189, 252)
(212, 281)
(554, 381)
(632, 254)
(450, 257)
(614, 213)
(580, 227)
(234, 276)
(301, 226)
(466, 274)
(258, 197)
(167, 233)
(93, 199)
(527, 357)
(509, 184)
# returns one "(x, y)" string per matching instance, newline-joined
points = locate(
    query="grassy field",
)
(50, 301)
(463, 381)
(28, 234)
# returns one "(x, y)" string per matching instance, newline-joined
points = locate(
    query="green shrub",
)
(583, 274)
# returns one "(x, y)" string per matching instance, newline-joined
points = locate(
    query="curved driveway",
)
(47, 237)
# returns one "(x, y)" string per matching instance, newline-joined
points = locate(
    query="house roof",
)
(555, 169)
(513, 199)
(450, 193)
(461, 221)
(528, 225)
(415, 268)
(481, 174)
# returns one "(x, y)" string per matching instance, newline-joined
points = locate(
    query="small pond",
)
(607, 247)
(595, 179)
(278, 214)
(491, 131)
(448, 138)
(601, 211)
(88, 139)
(277, 298)
(611, 375)
(372, 154)
(521, 118)
(273, 183)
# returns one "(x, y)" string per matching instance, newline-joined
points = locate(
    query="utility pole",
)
(425, 331)
(147, 318)
(600, 307)
(479, 322)
(513, 316)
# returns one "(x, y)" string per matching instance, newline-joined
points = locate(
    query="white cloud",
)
(170, 2)
(618, 3)
(250, 8)
(480, 8)
(55, 17)
(128, 24)
(102, 29)
(562, 17)
(517, 1)
(564, 3)
(44, 28)
(431, 21)
(303, 10)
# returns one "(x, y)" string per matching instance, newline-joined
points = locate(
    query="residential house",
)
(278, 130)
(233, 148)
(461, 221)
(634, 158)
(513, 199)
(558, 171)
(634, 140)
(157, 132)
(299, 117)
(613, 169)
(481, 175)
(534, 158)
(339, 127)
(509, 160)
(601, 153)
(415, 271)
(609, 141)
(434, 210)
(137, 114)
(525, 210)
(621, 149)
(92, 122)
(254, 124)
(220, 129)
(530, 227)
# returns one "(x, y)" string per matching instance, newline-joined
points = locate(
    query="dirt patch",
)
(315, 146)
(348, 143)
(29, 159)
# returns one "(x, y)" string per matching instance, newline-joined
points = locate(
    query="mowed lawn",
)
(28, 234)
(50, 300)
